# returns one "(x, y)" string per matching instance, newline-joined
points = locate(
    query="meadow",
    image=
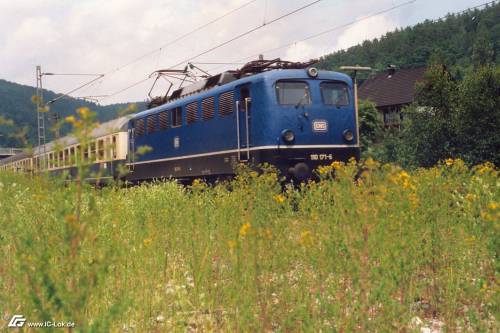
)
(391, 252)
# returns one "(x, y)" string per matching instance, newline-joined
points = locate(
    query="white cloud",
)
(365, 30)
(95, 36)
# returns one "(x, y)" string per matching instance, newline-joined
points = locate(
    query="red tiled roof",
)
(399, 88)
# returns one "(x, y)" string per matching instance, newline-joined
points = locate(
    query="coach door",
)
(243, 115)
(131, 147)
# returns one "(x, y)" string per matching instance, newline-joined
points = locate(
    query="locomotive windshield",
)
(293, 93)
(334, 93)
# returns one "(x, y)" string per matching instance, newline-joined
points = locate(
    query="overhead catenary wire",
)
(329, 30)
(238, 62)
(227, 41)
(247, 33)
(159, 49)
(345, 25)
(181, 37)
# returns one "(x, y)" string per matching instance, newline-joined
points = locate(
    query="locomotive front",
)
(308, 119)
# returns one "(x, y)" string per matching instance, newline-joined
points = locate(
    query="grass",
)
(245, 256)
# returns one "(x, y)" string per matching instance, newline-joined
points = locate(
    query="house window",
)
(208, 108)
(176, 116)
(226, 103)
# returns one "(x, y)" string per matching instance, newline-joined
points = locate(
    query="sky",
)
(100, 37)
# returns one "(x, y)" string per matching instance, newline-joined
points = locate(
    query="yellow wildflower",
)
(485, 168)
(336, 165)
(70, 218)
(197, 182)
(487, 216)
(470, 197)
(493, 205)
(323, 170)
(371, 163)
(269, 234)
(83, 112)
(403, 175)
(71, 119)
(253, 174)
(414, 200)
(244, 229)
(448, 162)
(279, 198)
(147, 241)
(306, 238)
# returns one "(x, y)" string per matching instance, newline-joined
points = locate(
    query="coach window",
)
(92, 151)
(100, 150)
(176, 116)
(293, 93)
(335, 93)
(71, 155)
(113, 146)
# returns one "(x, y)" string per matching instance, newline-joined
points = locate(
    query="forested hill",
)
(18, 117)
(459, 41)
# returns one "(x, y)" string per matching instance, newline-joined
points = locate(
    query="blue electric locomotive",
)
(291, 116)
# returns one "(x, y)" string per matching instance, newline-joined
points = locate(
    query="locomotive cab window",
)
(293, 93)
(176, 117)
(335, 93)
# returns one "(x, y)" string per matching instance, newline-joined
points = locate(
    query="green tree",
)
(429, 133)
(477, 116)
(482, 51)
(370, 124)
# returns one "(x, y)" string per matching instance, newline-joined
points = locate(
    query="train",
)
(290, 115)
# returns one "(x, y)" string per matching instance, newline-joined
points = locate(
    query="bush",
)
(335, 255)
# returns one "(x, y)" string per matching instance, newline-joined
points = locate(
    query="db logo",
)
(17, 321)
(320, 126)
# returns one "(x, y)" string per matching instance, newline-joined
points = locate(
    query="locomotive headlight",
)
(288, 136)
(312, 72)
(348, 135)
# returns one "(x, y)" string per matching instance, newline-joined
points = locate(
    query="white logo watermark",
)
(17, 321)
(20, 321)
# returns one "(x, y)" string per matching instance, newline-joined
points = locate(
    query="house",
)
(391, 91)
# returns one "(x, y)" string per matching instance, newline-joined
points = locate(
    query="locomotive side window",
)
(208, 108)
(226, 104)
(334, 93)
(293, 93)
(176, 116)
(163, 120)
(151, 123)
(191, 113)
(139, 127)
